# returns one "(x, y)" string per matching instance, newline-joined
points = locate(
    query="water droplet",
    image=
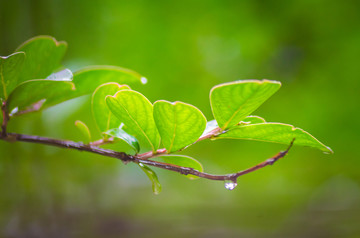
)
(143, 80)
(230, 185)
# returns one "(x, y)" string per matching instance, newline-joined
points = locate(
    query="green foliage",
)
(105, 120)
(179, 124)
(43, 56)
(127, 115)
(156, 186)
(84, 130)
(276, 133)
(136, 112)
(232, 102)
(119, 133)
(10, 68)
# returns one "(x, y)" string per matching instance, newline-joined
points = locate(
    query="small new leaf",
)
(156, 186)
(136, 112)
(276, 133)
(123, 135)
(179, 124)
(232, 102)
(84, 130)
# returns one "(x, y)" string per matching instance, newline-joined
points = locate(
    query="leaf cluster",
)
(32, 79)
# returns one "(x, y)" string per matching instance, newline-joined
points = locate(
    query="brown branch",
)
(12, 137)
(5, 119)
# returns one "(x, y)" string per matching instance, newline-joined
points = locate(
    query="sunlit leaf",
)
(123, 135)
(156, 186)
(10, 68)
(43, 56)
(136, 112)
(178, 123)
(274, 132)
(84, 129)
(105, 120)
(183, 161)
(34, 91)
(232, 102)
(88, 79)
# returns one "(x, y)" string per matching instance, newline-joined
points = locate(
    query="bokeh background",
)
(184, 48)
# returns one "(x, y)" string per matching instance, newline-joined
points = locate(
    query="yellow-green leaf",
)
(276, 133)
(136, 112)
(232, 102)
(178, 123)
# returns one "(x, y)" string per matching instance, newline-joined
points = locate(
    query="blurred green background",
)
(184, 48)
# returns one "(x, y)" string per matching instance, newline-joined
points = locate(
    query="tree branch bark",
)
(143, 158)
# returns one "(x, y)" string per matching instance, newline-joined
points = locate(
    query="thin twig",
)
(5, 118)
(12, 137)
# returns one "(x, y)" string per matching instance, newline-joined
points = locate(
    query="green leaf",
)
(84, 129)
(232, 102)
(36, 92)
(123, 135)
(43, 56)
(88, 79)
(105, 120)
(274, 132)
(156, 186)
(10, 68)
(183, 161)
(178, 123)
(136, 112)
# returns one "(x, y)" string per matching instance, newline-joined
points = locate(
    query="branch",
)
(12, 137)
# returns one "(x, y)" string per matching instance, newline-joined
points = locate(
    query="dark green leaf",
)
(88, 79)
(136, 112)
(232, 102)
(123, 135)
(183, 161)
(10, 68)
(105, 120)
(156, 186)
(43, 56)
(274, 132)
(84, 129)
(178, 123)
(37, 92)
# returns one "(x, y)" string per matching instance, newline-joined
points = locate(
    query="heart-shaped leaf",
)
(10, 68)
(84, 130)
(124, 136)
(43, 56)
(136, 112)
(178, 123)
(183, 161)
(276, 133)
(156, 186)
(33, 91)
(105, 120)
(232, 102)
